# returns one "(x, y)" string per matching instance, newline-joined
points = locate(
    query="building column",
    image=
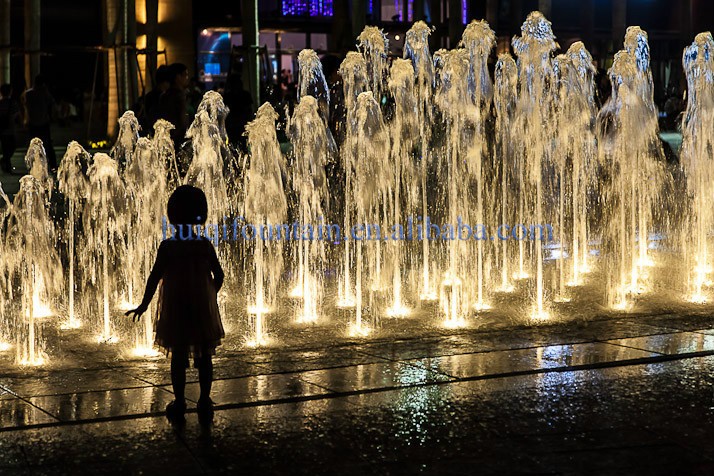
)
(152, 40)
(4, 41)
(619, 23)
(251, 78)
(111, 83)
(32, 40)
(127, 42)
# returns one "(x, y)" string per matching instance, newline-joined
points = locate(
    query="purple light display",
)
(313, 8)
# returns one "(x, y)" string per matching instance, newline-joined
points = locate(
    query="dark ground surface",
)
(620, 396)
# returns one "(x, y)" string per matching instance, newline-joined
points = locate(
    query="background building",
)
(100, 55)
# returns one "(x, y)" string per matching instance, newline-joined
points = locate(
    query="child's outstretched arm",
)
(151, 284)
(216, 269)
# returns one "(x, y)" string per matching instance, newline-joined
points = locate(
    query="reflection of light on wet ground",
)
(143, 351)
(455, 323)
(418, 405)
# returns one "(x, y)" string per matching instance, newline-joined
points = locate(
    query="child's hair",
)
(187, 206)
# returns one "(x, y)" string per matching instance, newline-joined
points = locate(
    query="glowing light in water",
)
(398, 311)
(540, 314)
(265, 205)
(360, 330)
(33, 266)
(104, 228)
(73, 185)
(141, 350)
(312, 143)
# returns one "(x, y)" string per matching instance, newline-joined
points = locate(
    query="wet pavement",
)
(619, 396)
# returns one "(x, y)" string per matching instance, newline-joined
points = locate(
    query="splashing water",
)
(310, 139)
(505, 98)
(421, 139)
(36, 162)
(355, 81)
(73, 186)
(404, 130)
(265, 207)
(534, 125)
(369, 141)
(6, 326)
(697, 144)
(164, 146)
(104, 228)
(123, 150)
(145, 181)
(629, 148)
(417, 50)
(374, 45)
(33, 266)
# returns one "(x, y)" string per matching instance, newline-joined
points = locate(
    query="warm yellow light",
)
(346, 302)
(428, 296)
(358, 330)
(541, 315)
(107, 339)
(398, 310)
(33, 363)
(455, 323)
(164, 12)
(160, 46)
(258, 309)
(144, 351)
(140, 11)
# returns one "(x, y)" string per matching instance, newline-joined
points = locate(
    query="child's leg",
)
(178, 374)
(205, 375)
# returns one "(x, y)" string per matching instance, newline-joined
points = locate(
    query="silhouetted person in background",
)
(240, 105)
(172, 103)
(39, 109)
(188, 324)
(149, 105)
(9, 113)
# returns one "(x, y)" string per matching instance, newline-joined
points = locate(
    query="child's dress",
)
(188, 320)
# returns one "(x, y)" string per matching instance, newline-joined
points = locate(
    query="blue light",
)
(212, 68)
(313, 8)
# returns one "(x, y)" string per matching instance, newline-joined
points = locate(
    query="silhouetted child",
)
(189, 324)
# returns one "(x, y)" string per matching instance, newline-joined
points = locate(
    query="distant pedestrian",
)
(172, 103)
(9, 114)
(149, 104)
(188, 322)
(39, 109)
